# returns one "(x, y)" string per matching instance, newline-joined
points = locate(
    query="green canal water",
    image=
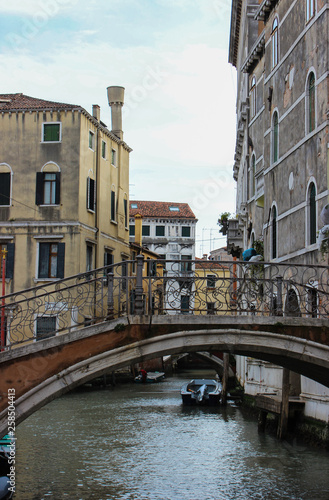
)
(137, 442)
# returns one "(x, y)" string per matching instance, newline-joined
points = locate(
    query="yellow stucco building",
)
(64, 188)
(212, 287)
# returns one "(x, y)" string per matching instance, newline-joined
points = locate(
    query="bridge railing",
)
(163, 287)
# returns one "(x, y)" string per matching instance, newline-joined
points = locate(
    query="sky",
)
(180, 91)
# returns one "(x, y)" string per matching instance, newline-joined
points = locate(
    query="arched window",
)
(275, 43)
(310, 9)
(275, 137)
(311, 102)
(274, 233)
(312, 213)
(253, 97)
(48, 185)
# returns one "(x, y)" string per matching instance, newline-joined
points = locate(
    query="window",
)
(151, 267)
(253, 176)
(145, 230)
(89, 258)
(274, 233)
(91, 140)
(311, 102)
(51, 260)
(186, 231)
(108, 258)
(210, 307)
(114, 157)
(125, 208)
(45, 327)
(186, 263)
(51, 132)
(48, 188)
(310, 9)
(174, 209)
(10, 255)
(131, 230)
(312, 213)
(275, 137)
(104, 150)
(160, 230)
(253, 97)
(211, 280)
(113, 211)
(133, 205)
(275, 42)
(91, 194)
(5, 178)
(185, 304)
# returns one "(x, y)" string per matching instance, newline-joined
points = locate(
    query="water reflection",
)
(138, 442)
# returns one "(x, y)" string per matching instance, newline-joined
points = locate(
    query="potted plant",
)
(223, 222)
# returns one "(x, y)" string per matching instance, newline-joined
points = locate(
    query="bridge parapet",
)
(150, 287)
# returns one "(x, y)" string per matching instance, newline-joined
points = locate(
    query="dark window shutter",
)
(10, 260)
(44, 249)
(112, 205)
(58, 189)
(312, 214)
(91, 194)
(39, 188)
(5, 189)
(60, 260)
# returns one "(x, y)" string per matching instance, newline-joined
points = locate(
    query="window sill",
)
(45, 280)
(90, 211)
(114, 222)
(49, 205)
(51, 142)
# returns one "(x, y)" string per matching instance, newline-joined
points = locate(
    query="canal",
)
(137, 442)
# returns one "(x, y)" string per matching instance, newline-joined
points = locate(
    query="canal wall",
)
(309, 430)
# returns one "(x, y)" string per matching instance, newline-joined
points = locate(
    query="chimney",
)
(138, 229)
(96, 112)
(115, 97)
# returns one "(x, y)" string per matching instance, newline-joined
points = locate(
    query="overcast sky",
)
(171, 57)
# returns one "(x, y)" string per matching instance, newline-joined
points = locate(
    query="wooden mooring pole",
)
(226, 365)
(283, 421)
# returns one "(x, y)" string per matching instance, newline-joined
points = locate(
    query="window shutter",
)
(44, 249)
(60, 260)
(10, 260)
(58, 189)
(112, 205)
(39, 188)
(5, 189)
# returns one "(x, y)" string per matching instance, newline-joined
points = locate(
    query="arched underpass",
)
(302, 356)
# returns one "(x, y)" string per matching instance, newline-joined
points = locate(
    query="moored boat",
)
(149, 377)
(201, 392)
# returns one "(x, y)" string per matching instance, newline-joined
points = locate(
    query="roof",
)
(235, 31)
(15, 102)
(214, 265)
(21, 102)
(164, 209)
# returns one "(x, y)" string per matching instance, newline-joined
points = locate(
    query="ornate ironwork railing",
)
(164, 287)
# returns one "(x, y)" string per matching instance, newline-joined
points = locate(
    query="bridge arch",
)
(302, 356)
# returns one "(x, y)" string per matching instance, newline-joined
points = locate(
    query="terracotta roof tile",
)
(163, 209)
(13, 102)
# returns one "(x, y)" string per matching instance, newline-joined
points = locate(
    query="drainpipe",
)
(96, 115)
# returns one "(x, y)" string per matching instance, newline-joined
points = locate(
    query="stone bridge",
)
(102, 321)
